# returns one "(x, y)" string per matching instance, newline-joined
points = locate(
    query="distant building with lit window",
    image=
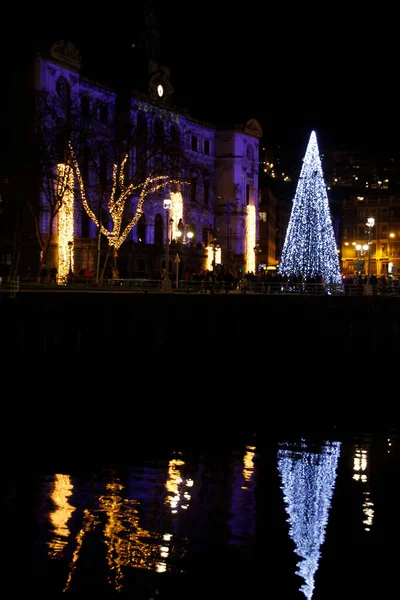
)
(384, 250)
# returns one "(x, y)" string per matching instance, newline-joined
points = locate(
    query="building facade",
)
(208, 176)
(371, 235)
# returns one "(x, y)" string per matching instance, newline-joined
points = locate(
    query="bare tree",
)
(142, 164)
(120, 195)
(56, 125)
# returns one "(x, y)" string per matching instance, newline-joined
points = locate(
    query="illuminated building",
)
(208, 169)
(385, 243)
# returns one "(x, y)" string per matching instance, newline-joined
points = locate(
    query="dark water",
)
(297, 517)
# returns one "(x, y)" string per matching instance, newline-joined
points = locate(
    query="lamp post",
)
(214, 244)
(390, 262)
(370, 223)
(361, 249)
(257, 251)
(177, 260)
(166, 284)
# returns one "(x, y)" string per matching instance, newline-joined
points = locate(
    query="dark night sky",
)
(294, 68)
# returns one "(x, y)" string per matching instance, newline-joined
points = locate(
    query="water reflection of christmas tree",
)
(308, 481)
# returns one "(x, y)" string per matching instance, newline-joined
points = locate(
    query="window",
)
(206, 193)
(206, 146)
(175, 139)
(103, 170)
(263, 217)
(85, 107)
(193, 189)
(85, 166)
(141, 146)
(158, 230)
(158, 134)
(204, 236)
(5, 259)
(247, 194)
(194, 143)
(104, 114)
(62, 88)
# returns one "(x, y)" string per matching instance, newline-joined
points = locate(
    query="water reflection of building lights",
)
(127, 543)
(248, 464)
(62, 490)
(175, 496)
(88, 522)
(360, 468)
(173, 485)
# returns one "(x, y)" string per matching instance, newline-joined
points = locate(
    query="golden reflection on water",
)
(62, 490)
(248, 464)
(127, 543)
(360, 474)
(178, 497)
(89, 523)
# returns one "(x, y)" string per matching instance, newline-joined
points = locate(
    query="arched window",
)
(85, 107)
(158, 230)
(142, 146)
(205, 236)
(159, 136)
(250, 152)
(175, 136)
(63, 90)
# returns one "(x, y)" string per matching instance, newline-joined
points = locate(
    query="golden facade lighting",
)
(250, 239)
(65, 223)
(176, 212)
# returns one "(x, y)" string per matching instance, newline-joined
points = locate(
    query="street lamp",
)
(166, 284)
(370, 223)
(361, 249)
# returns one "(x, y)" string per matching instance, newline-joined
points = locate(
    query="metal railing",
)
(9, 288)
(214, 287)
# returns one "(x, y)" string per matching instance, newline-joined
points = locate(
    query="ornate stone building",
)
(213, 217)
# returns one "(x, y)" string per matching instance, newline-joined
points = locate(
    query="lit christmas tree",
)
(310, 249)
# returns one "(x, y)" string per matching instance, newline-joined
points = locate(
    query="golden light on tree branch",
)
(119, 196)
